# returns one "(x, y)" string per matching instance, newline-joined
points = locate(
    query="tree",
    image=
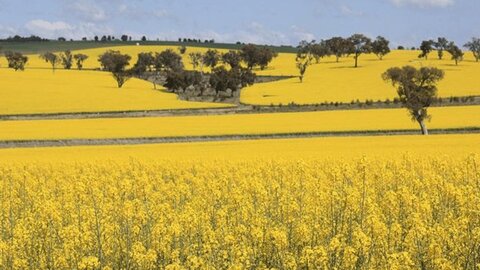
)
(320, 50)
(257, 56)
(338, 46)
(51, 58)
(426, 48)
(80, 58)
(145, 61)
(95, 38)
(182, 49)
(16, 60)
(124, 38)
(232, 58)
(265, 56)
(196, 60)
(181, 79)
(116, 63)
(168, 60)
(474, 46)
(304, 58)
(211, 58)
(249, 54)
(359, 44)
(456, 52)
(380, 47)
(441, 45)
(416, 89)
(144, 38)
(234, 79)
(67, 59)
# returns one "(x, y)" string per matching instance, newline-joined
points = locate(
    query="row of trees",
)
(17, 60)
(442, 44)
(170, 63)
(66, 59)
(357, 45)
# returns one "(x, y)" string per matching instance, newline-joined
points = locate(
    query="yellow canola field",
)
(398, 211)
(335, 148)
(328, 81)
(323, 121)
(331, 82)
(42, 91)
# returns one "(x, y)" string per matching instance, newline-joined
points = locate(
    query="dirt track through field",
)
(158, 140)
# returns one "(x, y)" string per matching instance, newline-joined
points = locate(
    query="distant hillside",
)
(33, 47)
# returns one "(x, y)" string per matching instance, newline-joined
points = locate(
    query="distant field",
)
(330, 81)
(385, 147)
(271, 123)
(325, 82)
(42, 91)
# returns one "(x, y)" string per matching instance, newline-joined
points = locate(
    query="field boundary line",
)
(232, 137)
(240, 109)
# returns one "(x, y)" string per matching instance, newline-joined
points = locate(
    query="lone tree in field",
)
(79, 59)
(196, 60)
(115, 62)
(416, 89)
(232, 58)
(359, 44)
(441, 45)
(426, 47)
(211, 58)
(456, 52)
(67, 59)
(380, 47)
(304, 58)
(16, 60)
(51, 58)
(338, 46)
(474, 46)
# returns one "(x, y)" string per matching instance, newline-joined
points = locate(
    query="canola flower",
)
(403, 213)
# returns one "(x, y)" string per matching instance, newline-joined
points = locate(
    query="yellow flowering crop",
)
(42, 91)
(398, 213)
(384, 147)
(330, 81)
(236, 124)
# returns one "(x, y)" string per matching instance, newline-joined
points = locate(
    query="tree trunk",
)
(423, 127)
(338, 58)
(356, 60)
